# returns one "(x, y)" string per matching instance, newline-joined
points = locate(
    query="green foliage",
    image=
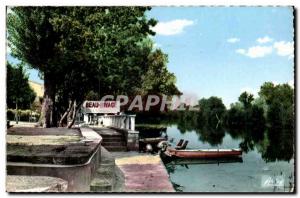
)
(212, 111)
(92, 96)
(31, 36)
(83, 49)
(246, 113)
(24, 115)
(18, 90)
(246, 99)
(265, 123)
(235, 115)
(10, 114)
(158, 79)
(269, 117)
(280, 101)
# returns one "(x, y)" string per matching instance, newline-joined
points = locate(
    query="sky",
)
(223, 51)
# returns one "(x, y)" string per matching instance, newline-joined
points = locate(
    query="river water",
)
(265, 167)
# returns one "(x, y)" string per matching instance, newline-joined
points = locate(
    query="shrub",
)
(24, 115)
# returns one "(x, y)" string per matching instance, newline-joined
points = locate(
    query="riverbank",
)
(144, 173)
(62, 153)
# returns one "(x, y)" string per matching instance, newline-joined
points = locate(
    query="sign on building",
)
(104, 107)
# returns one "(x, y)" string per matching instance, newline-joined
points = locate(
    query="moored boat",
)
(203, 153)
(152, 140)
(185, 161)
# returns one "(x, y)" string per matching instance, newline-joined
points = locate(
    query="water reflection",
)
(267, 152)
(274, 142)
(213, 136)
(280, 144)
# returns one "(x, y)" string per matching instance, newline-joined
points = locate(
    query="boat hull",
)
(204, 154)
(152, 140)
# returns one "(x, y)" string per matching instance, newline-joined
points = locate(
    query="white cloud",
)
(291, 83)
(172, 27)
(251, 91)
(233, 40)
(275, 82)
(256, 51)
(282, 48)
(265, 39)
(240, 51)
(285, 49)
(259, 51)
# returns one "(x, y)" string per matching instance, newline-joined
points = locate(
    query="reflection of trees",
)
(275, 142)
(187, 121)
(280, 116)
(214, 136)
(267, 123)
(207, 132)
(148, 132)
(281, 144)
(251, 137)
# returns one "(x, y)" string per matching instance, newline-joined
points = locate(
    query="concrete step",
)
(108, 161)
(106, 171)
(106, 157)
(104, 177)
(113, 139)
(113, 144)
(101, 185)
(116, 148)
(111, 135)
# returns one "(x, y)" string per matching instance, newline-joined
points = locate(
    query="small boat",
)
(203, 153)
(150, 144)
(185, 161)
(180, 145)
(152, 140)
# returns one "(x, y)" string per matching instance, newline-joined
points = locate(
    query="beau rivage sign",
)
(101, 107)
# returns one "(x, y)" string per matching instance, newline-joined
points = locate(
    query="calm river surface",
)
(253, 174)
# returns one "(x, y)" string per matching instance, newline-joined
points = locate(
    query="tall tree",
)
(82, 49)
(212, 111)
(246, 99)
(33, 40)
(157, 79)
(280, 101)
(19, 93)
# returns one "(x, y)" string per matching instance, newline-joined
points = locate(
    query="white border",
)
(5, 3)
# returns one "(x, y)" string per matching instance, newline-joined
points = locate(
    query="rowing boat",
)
(203, 153)
(152, 140)
(185, 161)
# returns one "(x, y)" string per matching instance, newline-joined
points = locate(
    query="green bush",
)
(24, 115)
(10, 114)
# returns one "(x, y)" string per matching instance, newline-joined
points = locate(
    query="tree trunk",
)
(75, 109)
(47, 114)
(16, 114)
(65, 115)
(73, 116)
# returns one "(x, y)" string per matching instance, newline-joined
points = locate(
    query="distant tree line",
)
(275, 106)
(265, 122)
